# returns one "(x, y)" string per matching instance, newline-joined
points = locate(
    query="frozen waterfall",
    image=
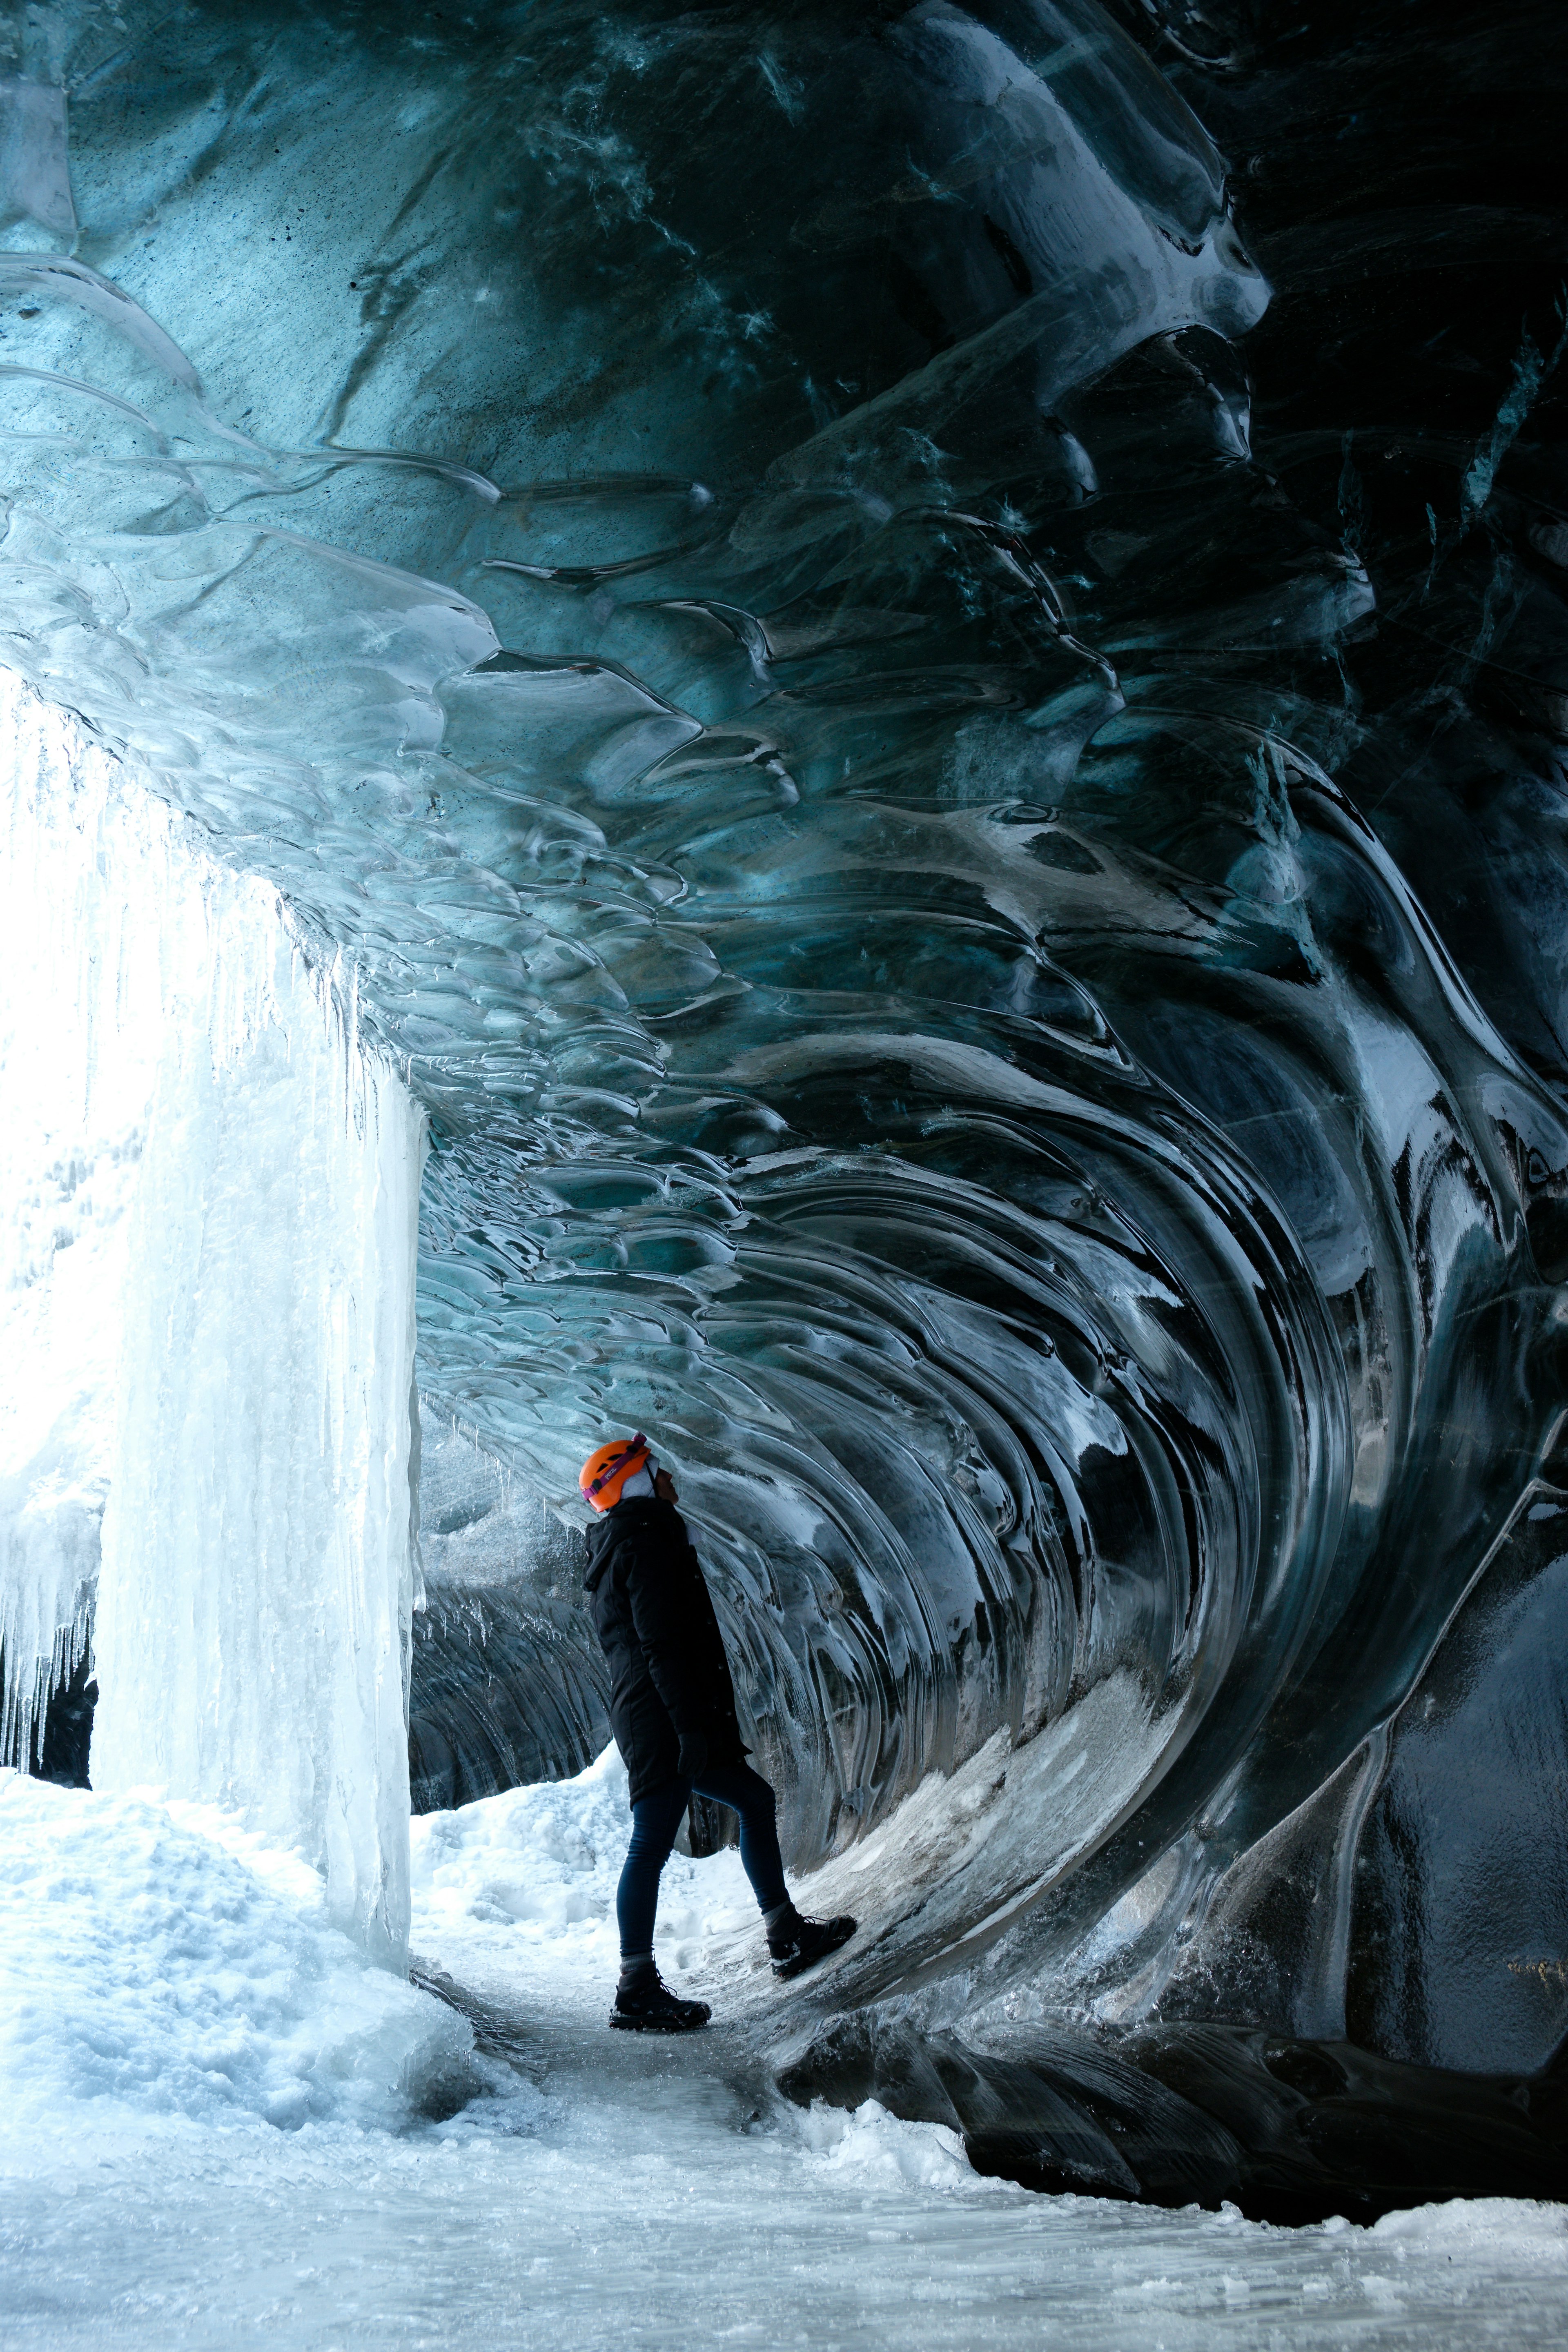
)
(208, 1199)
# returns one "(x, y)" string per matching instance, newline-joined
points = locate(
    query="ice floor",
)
(213, 2135)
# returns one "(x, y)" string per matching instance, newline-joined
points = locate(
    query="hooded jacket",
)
(654, 1617)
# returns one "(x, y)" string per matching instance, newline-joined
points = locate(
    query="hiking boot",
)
(647, 2006)
(797, 1944)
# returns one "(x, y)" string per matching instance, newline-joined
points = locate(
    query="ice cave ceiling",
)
(918, 654)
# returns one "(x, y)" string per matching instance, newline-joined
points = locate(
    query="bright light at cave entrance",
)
(208, 1202)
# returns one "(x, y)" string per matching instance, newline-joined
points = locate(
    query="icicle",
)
(210, 1193)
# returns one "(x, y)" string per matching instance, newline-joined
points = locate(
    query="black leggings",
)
(655, 1820)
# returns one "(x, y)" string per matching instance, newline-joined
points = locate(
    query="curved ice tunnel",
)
(211, 1195)
(831, 779)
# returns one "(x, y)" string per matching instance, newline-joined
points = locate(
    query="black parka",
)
(669, 1673)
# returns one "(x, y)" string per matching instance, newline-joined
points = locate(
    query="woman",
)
(672, 1705)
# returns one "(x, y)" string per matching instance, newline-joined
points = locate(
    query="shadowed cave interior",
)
(968, 863)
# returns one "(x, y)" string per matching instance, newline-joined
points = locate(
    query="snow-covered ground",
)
(222, 2127)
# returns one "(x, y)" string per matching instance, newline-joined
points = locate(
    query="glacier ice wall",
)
(211, 1193)
(732, 569)
(848, 1185)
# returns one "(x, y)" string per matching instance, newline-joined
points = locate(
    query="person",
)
(673, 1707)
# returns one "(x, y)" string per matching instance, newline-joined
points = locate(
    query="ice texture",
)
(578, 883)
(211, 1193)
(921, 847)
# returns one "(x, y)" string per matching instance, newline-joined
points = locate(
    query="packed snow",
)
(160, 1965)
(226, 2126)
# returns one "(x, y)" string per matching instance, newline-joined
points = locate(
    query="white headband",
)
(641, 1480)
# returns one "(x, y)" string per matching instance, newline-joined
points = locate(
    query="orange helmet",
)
(608, 1467)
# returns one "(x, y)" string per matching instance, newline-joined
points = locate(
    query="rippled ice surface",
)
(601, 2191)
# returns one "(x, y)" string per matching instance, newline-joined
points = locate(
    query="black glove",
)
(693, 1755)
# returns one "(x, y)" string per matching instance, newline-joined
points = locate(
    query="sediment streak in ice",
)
(210, 1191)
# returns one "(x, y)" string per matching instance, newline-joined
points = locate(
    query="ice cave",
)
(837, 730)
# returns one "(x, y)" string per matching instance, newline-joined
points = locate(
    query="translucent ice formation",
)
(723, 566)
(712, 913)
(211, 1195)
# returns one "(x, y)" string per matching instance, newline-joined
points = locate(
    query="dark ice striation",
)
(960, 825)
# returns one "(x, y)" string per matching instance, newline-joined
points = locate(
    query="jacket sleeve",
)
(661, 1622)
